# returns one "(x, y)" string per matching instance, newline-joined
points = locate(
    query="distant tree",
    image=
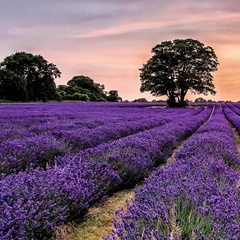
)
(140, 100)
(113, 96)
(77, 96)
(86, 85)
(200, 99)
(61, 88)
(177, 67)
(160, 100)
(37, 73)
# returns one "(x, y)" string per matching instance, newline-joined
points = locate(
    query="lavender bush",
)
(184, 201)
(135, 156)
(215, 139)
(232, 116)
(23, 155)
(34, 139)
(197, 197)
(33, 204)
(31, 138)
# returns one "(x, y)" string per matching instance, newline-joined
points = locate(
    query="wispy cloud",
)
(109, 40)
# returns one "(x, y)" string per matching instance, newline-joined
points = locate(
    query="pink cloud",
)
(110, 40)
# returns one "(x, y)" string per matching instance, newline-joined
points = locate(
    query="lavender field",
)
(59, 159)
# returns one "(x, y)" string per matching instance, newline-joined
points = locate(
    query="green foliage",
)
(185, 222)
(113, 96)
(30, 72)
(28, 77)
(140, 100)
(192, 223)
(77, 96)
(177, 67)
(12, 86)
(200, 99)
(86, 85)
(83, 88)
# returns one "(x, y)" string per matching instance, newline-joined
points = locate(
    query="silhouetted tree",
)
(12, 86)
(113, 96)
(37, 73)
(140, 100)
(200, 99)
(77, 97)
(177, 67)
(86, 85)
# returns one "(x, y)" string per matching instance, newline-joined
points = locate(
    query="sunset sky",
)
(109, 40)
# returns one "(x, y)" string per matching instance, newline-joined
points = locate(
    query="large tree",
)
(12, 86)
(177, 67)
(37, 73)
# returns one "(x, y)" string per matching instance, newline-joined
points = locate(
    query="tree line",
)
(175, 68)
(28, 77)
(83, 88)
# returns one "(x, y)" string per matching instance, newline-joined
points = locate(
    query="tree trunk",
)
(171, 101)
(182, 95)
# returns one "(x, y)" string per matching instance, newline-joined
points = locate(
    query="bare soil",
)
(99, 220)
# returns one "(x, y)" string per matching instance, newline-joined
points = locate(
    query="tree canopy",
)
(12, 86)
(140, 100)
(86, 85)
(177, 67)
(28, 77)
(33, 75)
(112, 96)
(84, 88)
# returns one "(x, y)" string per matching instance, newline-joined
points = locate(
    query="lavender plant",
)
(24, 155)
(33, 204)
(31, 138)
(197, 197)
(135, 156)
(232, 116)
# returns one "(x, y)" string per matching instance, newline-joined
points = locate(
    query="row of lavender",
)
(232, 113)
(135, 156)
(33, 204)
(30, 140)
(196, 197)
(32, 120)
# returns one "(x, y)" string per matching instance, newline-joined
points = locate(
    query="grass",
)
(98, 222)
(236, 138)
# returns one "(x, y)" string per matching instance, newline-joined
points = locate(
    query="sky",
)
(109, 40)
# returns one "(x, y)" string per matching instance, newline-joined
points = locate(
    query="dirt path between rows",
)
(236, 138)
(99, 220)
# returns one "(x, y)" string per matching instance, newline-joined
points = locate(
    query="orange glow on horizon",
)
(109, 41)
